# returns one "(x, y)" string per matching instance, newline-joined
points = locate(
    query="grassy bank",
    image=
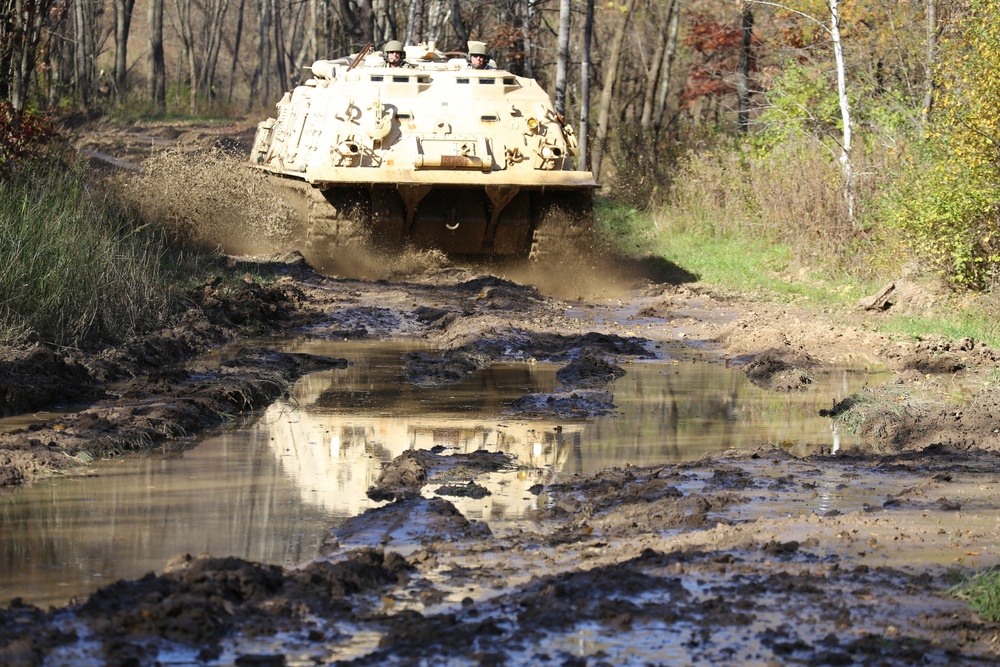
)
(719, 256)
(80, 268)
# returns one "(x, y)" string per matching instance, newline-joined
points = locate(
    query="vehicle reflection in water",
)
(270, 490)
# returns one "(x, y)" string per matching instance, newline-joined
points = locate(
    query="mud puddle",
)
(271, 490)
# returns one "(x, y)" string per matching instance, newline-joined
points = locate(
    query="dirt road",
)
(751, 557)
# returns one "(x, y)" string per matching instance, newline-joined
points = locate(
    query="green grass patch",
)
(982, 592)
(952, 327)
(765, 270)
(77, 266)
(768, 271)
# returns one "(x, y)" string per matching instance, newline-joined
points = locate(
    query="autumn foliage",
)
(22, 135)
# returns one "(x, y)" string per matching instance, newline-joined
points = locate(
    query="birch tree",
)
(846, 166)
(562, 61)
(588, 33)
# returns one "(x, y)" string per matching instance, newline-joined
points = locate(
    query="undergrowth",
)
(79, 268)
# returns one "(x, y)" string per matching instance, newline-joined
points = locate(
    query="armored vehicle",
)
(433, 154)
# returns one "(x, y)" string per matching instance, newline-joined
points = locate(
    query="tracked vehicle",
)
(434, 155)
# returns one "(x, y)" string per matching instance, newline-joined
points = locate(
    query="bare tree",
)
(743, 69)
(84, 50)
(182, 9)
(157, 65)
(527, 16)
(415, 22)
(610, 74)
(656, 65)
(213, 29)
(668, 63)
(123, 22)
(457, 24)
(20, 31)
(236, 49)
(588, 33)
(929, 59)
(263, 53)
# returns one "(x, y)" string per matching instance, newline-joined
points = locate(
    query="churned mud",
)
(749, 557)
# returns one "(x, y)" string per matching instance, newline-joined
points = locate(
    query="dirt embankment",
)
(750, 557)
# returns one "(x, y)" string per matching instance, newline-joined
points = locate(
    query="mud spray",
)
(215, 201)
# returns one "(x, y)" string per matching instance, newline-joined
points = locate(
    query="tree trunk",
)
(588, 34)
(743, 75)
(307, 51)
(610, 74)
(280, 52)
(84, 58)
(653, 73)
(415, 24)
(157, 66)
(263, 52)
(929, 58)
(182, 8)
(845, 110)
(562, 62)
(458, 25)
(123, 21)
(668, 63)
(20, 32)
(213, 31)
(527, 15)
(437, 19)
(236, 50)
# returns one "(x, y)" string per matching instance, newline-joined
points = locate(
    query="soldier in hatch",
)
(478, 57)
(394, 55)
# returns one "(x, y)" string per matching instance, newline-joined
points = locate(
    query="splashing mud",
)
(216, 202)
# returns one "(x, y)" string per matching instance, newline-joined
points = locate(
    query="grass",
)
(955, 326)
(77, 267)
(765, 270)
(982, 592)
(769, 271)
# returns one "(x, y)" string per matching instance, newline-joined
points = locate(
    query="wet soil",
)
(751, 557)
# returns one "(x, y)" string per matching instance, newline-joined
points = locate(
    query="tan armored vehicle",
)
(435, 154)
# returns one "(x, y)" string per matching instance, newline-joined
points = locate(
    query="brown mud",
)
(751, 557)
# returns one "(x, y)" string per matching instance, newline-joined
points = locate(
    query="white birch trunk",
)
(845, 109)
(562, 63)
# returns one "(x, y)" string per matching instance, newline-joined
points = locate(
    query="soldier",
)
(394, 56)
(478, 57)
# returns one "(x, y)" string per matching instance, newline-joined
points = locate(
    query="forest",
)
(862, 133)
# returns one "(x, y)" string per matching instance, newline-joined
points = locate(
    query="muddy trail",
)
(753, 556)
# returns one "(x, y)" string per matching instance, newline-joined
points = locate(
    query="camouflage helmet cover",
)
(393, 45)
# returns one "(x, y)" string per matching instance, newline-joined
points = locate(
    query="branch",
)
(778, 5)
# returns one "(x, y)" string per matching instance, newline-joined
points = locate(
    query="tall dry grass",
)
(77, 266)
(793, 194)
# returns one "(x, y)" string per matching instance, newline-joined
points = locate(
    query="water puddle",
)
(271, 490)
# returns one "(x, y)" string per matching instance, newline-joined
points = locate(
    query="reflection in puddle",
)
(269, 492)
